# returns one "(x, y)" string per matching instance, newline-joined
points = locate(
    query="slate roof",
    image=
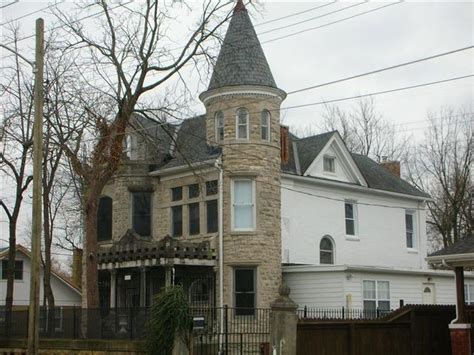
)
(463, 246)
(241, 60)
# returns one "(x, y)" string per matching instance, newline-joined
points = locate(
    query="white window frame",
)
(355, 214)
(237, 124)
(333, 257)
(331, 158)
(254, 212)
(131, 145)
(468, 296)
(377, 299)
(218, 126)
(413, 232)
(265, 127)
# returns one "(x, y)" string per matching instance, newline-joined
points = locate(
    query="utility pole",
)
(33, 312)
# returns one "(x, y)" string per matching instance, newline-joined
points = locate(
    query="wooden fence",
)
(411, 330)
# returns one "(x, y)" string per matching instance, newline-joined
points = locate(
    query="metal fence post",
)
(305, 312)
(343, 317)
(226, 329)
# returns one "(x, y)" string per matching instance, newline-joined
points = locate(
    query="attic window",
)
(329, 164)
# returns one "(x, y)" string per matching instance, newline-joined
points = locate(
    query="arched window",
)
(104, 219)
(242, 124)
(326, 251)
(219, 123)
(199, 293)
(265, 125)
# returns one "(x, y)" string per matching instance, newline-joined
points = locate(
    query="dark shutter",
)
(177, 221)
(104, 219)
(193, 218)
(142, 213)
(212, 223)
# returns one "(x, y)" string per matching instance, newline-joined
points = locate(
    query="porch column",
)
(113, 278)
(143, 286)
(460, 297)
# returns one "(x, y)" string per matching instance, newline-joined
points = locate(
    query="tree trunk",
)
(10, 276)
(48, 292)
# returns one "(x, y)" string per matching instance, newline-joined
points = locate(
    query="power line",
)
(13, 2)
(31, 13)
(330, 23)
(295, 14)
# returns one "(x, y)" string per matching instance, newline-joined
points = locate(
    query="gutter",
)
(347, 186)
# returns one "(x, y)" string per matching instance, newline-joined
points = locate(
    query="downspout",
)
(221, 239)
(455, 320)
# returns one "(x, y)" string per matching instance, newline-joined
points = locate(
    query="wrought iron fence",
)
(341, 313)
(216, 330)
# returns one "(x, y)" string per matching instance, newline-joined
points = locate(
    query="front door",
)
(429, 293)
(128, 289)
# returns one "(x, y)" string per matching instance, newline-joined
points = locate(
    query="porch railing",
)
(341, 313)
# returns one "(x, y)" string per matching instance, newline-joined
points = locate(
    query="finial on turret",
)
(239, 6)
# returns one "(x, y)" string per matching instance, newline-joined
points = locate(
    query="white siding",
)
(64, 295)
(381, 230)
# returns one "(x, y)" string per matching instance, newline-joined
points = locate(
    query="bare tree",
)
(135, 44)
(17, 134)
(442, 166)
(364, 130)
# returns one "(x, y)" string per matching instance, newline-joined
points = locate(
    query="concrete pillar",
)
(143, 286)
(113, 279)
(283, 323)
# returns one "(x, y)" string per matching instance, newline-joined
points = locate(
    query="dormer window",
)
(265, 125)
(329, 164)
(242, 124)
(219, 122)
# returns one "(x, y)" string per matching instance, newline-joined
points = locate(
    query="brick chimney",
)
(77, 267)
(391, 165)
(284, 144)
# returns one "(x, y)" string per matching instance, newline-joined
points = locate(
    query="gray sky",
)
(389, 36)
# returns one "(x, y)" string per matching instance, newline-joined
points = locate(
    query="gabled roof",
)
(27, 253)
(310, 147)
(463, 246)
(241, 60)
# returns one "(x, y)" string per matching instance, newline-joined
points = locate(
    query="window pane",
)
(142, 213)
(177, 221)
(104, 219)
(18, 269)
(325, 257)
(212, 223)
(409, 239)
(177, 193)
(243, 217)
(246, 300)
(350, 230)
(242, 192)
(325, 244)
(219, 126)
(409, 221)
(369, 289)
(349, 210)
(244, 280)
(194, 218)
(369, 305)
(211, 187)
(193, 191)
(383, 289)
(265, 125)
(384, 305)
(328, 164)
(242, 132)
(471, 293)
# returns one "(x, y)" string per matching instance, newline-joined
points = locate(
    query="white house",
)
(354, 232)
(65, 293)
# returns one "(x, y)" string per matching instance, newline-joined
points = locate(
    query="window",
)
(131, 146)
(58, 319)
(469, 293)
(243, 205)
(329, 164)
(193, 210)
(409, 228)
(177, 221)
(242, 124)
(265, 125)
(211, 187)
(193, 191)
(350, 212)
(244, 291)
(199, 293)
(212, 223)
(326, 251)
(18, 269)
(376, 295)
(141, 206)
(219, 122)
(177, 193)
(104, 219)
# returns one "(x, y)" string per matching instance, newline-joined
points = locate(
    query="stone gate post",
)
(283, 323)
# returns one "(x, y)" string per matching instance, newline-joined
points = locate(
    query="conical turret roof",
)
(241, 60)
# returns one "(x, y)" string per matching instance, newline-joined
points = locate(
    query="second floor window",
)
(350, 212)
(193, 191)
(409, 229)
(212, 223)
(242, 124)
(211, 187)
(141, 213)
(219, 122)
(193, 215)
(18, 270)
(265, 125)
(243, 205)
(326, 251)
(177, 193)
(177, 221)
(104, 219)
